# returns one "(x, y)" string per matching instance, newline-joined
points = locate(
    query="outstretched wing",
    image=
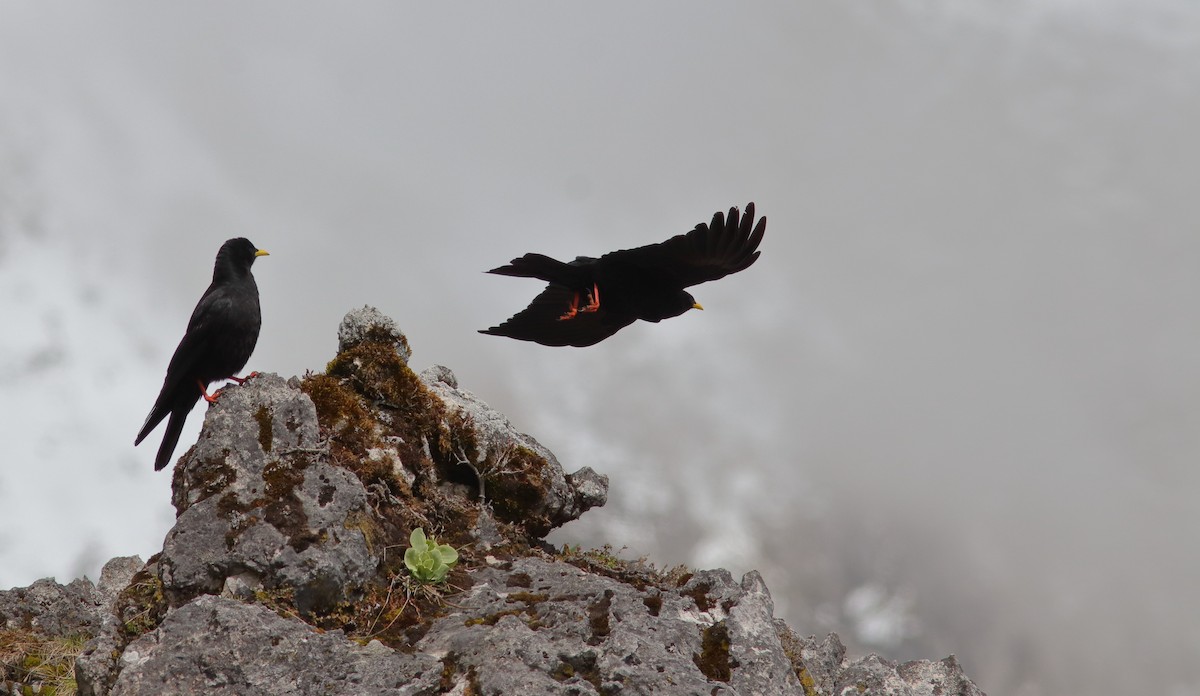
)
(539, 322)
(726, 245)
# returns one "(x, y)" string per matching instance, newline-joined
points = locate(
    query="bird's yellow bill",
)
(261, 252)
(697, 306)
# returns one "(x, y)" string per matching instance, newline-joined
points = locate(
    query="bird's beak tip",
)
(696, 305)
(261, 252)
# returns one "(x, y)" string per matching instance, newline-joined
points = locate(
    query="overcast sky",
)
(963, 375)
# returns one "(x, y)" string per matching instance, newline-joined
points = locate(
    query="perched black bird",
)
(621, 287)
(220, 338)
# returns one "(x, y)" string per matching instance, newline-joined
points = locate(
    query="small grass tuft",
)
(37, 664)
(142, 605)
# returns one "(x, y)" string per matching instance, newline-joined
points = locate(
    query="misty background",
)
(953, 408)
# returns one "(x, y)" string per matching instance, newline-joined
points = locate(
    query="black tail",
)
(178, 408)
(152, 421)
(170, 438)
(547, 269)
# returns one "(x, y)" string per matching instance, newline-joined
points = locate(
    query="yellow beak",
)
(697, 306)
(261, 252)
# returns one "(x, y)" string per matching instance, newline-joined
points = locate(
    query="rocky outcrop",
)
(258, 508)
(43, 626)
(283, 573)
(558, 497)
(59, 611)
(541, 626)
(237, 647)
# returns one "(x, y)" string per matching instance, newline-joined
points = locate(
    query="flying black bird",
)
(621, 287)
(220, 338)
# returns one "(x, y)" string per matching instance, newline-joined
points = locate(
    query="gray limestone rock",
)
(254, 502)
(819, 663)
(763, 668)
(532, 626)
(825, 670)
(78, 608)
(97, 666)
(935, 678)
(546, 627)
(114, 577)
(369, 323)
(52, 609)
(439, 373)
(507, 474)
(214, 645)
(875, 675)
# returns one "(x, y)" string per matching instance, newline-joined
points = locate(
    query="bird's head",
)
(236, 256)
(242, 250)
(679, 303)
(686, 301)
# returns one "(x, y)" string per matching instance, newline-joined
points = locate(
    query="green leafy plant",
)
(427, 560)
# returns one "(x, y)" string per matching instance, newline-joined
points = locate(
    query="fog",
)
(952, 409)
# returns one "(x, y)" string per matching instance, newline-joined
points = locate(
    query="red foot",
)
(574, 309)
(592, 305)
(593, 299)
(204, 390)
(243, 380)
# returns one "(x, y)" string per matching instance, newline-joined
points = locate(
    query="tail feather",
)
(152, 421)
(545, 268)
(170, 439)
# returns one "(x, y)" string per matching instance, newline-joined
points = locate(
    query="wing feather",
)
(194, 344)
(726, 245)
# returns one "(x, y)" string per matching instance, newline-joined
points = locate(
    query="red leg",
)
(204, 390)
(243, 380)
(573, 310)
(593, 299)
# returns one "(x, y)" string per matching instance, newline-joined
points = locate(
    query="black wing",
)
(727, 245)
(189, 352)
(539, 322)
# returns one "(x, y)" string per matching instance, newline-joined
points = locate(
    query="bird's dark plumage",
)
(219, 340)
(621, 287)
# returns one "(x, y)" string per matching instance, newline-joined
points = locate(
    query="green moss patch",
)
(714, 660)
(516, 481)
(376, 371)
(598, 618)
(342, 415)
(266, 433)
